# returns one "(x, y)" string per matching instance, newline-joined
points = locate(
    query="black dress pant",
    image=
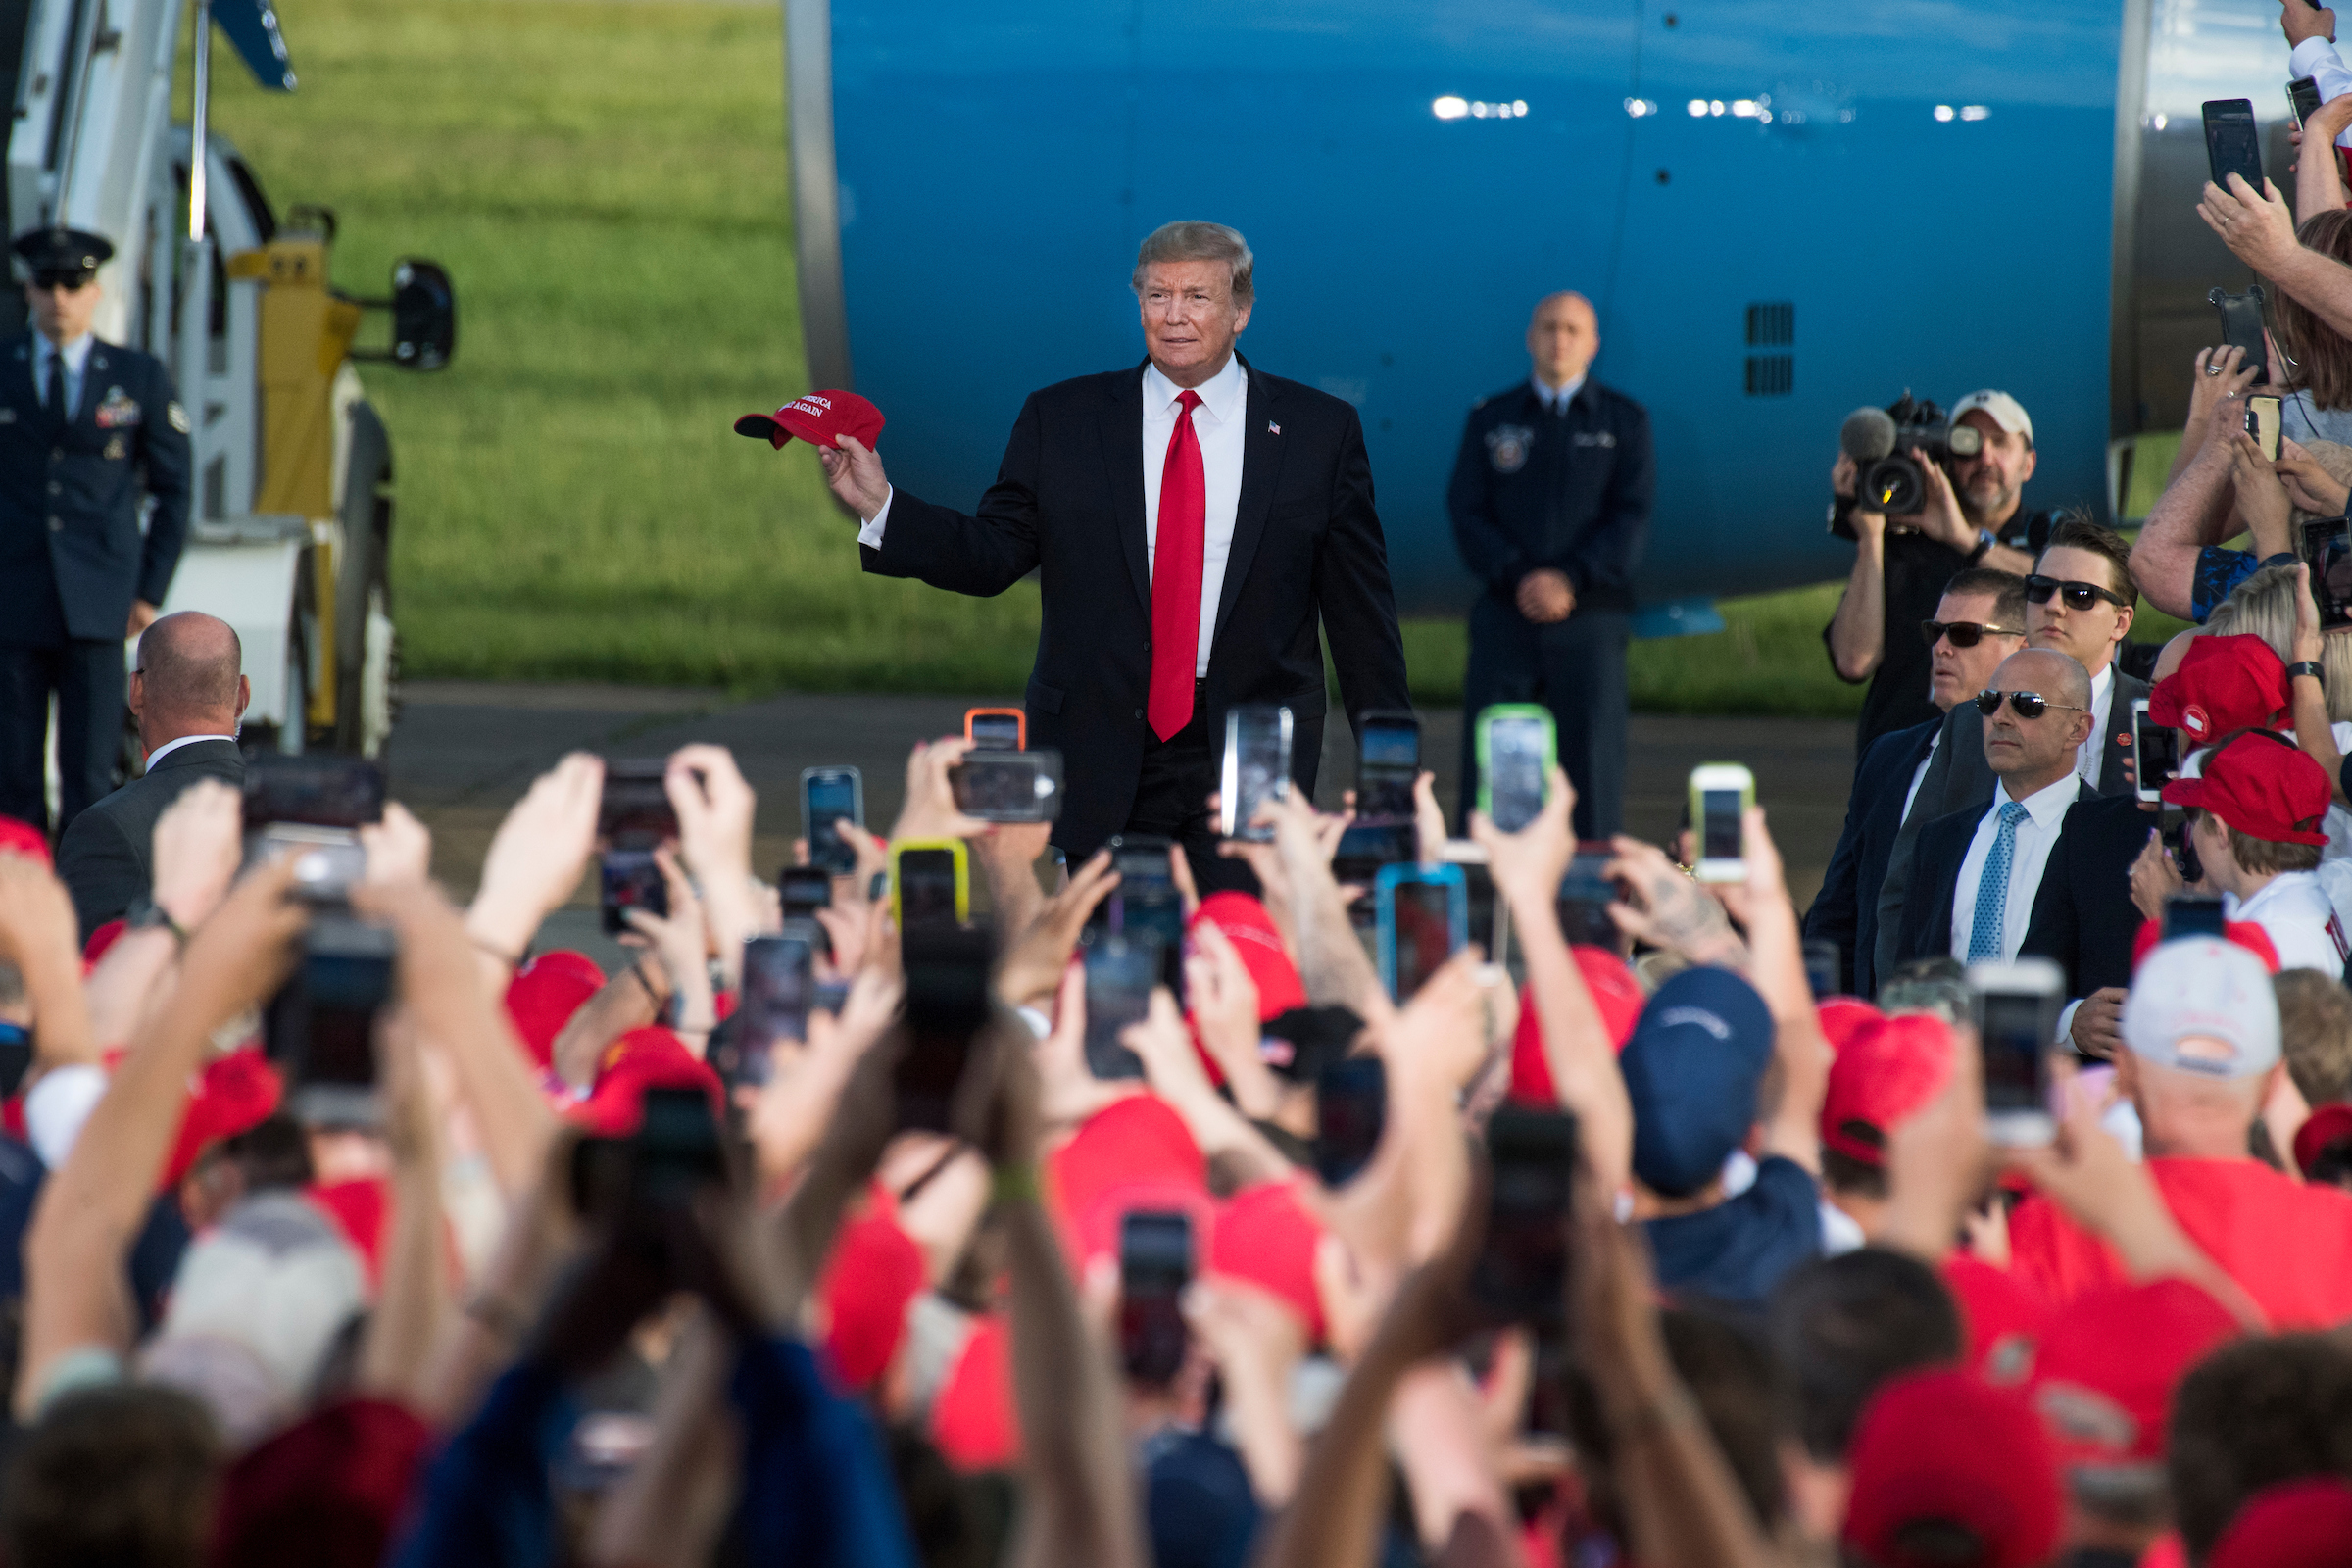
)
(1171, 799)
(89, 682)
(1574, 667)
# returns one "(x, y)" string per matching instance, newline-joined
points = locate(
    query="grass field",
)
(607, 182)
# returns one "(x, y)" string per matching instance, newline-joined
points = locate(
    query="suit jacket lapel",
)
(1124, 461)
(1261, 467)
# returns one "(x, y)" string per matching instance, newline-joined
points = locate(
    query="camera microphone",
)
(1867, 436)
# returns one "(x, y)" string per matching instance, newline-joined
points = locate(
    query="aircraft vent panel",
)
(1770, 375)
(1771, 325)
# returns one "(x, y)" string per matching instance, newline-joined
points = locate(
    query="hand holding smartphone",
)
(1517, 748)
(1421, 915)
(1720, 795)
(2232, 142)
(2155, 754)
(1256, 769)
(831, 796)
(2017, 1006)
(1155, 1265)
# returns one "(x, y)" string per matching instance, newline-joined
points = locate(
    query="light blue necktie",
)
(1993, 890)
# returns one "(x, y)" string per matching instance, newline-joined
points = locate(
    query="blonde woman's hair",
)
(2264, 606)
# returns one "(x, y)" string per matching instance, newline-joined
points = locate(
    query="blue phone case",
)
(1384, 905)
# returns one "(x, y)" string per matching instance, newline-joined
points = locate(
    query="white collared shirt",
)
(2036, 835)
(168, 746)
(2316, 59)
(45, 356)
(1217, 425)
(1919, 774)
(2091, 756)
(2296, 913)
(1554, 398)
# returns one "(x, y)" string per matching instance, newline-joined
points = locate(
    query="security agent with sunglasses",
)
(91, 434)
(1980, 621)
(1973, 516)
(2080, 601)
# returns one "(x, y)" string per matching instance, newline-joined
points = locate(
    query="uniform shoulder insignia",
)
(178, 418)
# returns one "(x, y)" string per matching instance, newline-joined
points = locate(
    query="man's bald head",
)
(2058, 676)
(1562, 337)
(189, 678)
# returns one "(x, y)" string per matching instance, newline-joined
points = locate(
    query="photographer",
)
(1971, 517)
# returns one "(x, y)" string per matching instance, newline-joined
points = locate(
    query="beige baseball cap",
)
(2007, 413)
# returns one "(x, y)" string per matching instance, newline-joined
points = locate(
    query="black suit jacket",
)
(1846, 912)
(1927, 929)
(1069, 504)
(2083, 916)
(105, 858)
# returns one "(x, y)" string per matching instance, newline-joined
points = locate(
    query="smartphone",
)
(1517, 747)
(1720, 795)
(1521, 1273)
(2232, 143)
(779, 985)
(329, 861)
(1825, 965)
(1120, 972)
(630, 880)
(1351, 1110)
(2328, 549)
(1585, 894)
(678, 1151)
(1388, 760)
(1364, 849)
(2241, 327)
(315, 788)
(1148, 905)
(829, 797)
(803, 890)
(1008, 786)
(2262, 423)
(2190, 915)
(2302, 99)
(636, 813)
(2017, 1006)
(947, 1005)
(930, 883)
(1421, 914)
(1256, 769)
(996, 729)
(320, 1027)
(1155, 1265)
(2172, 822)
(2155, 751)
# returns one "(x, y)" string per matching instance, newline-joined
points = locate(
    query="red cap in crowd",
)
(234, 1093)
(2000, 1316)
(816, 417)
(875, 1273)
(1843, 1017)
(973, 1422)
(2304, 1523)
(645, 1058)
(18, 837)
(2326, 1124)
(2108, 1362)
(1616, 995)
(328, 1491)
(2263, 786)
(544, 995)
(1882, 1075)
(2223, 683)
(1266, 1238)
(1943, 1445)
(2245, 933)
(1245, 924)
(359, 1207)
(1134, 1154)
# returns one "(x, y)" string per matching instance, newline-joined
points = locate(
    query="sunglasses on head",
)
(2075, 595)
(2025, 704)
(1963, 633)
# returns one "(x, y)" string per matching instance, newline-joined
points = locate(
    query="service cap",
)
(59, 252)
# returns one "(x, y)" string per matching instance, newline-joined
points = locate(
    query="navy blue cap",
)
(62, 250)
(1691, 1071)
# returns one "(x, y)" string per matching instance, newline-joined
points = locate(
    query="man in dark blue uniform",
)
(1550, 505)
(87, 430)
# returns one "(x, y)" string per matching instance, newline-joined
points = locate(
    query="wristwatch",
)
(1984, 543)
(145, 914)
(2307, 666)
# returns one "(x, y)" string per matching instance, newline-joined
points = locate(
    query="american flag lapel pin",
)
(1272, 428)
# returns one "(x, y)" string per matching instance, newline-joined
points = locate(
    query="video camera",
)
(1881, 442)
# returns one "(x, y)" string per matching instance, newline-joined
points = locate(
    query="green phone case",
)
(1505, 710)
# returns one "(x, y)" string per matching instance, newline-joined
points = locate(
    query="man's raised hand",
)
(855, 475)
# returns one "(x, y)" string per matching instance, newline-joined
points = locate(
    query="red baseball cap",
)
(2223, 683)
(1842, 1017)
(19, 837)
(2245, 933)
(544, 995)
(816, 417)
(875, 1273)
(2325, 1125)
(2108, 1362)
(1880, 1078)
(1944, 1446)
(234, 1093)
(1266, 1238)
(359, 1207)
(1245, 924)
(2304, 1523)
(2262, 785)
(973, 1422)
(2000, 1316)
(645, 1058)
(1134, 1154)
(1616, 995)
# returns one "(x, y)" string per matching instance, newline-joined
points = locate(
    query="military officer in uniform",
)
(1550, 505)
(87, 430)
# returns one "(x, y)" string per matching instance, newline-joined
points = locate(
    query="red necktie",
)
(1176, 577)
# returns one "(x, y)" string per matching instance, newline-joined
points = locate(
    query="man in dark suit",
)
(2084, 918)
(2079, 602)
(188, 694)
(1192, 521)
(1980, 621)
(88, 432)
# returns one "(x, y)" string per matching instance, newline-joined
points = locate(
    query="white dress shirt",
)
(1218, 425)
(2316, 59)
(1919, 775)
(45, 356)
(1554, 398)
(2294, 911)
(2091, 756)
(168, 746)
(2036, 834)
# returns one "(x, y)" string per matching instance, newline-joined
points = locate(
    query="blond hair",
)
(1192, 240)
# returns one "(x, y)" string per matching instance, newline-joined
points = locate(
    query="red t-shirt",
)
(2288, 1244)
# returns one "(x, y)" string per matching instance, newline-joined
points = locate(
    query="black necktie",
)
(55, 402)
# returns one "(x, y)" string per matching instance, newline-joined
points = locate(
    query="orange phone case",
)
(1019, 717)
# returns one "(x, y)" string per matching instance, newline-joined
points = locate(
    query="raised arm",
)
(2260, 231)
(906, 537)
(2194, 512)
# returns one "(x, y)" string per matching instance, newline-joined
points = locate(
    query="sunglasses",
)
(1963, 633)
(2025, 704)
(2076, 595)
(71, 282)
